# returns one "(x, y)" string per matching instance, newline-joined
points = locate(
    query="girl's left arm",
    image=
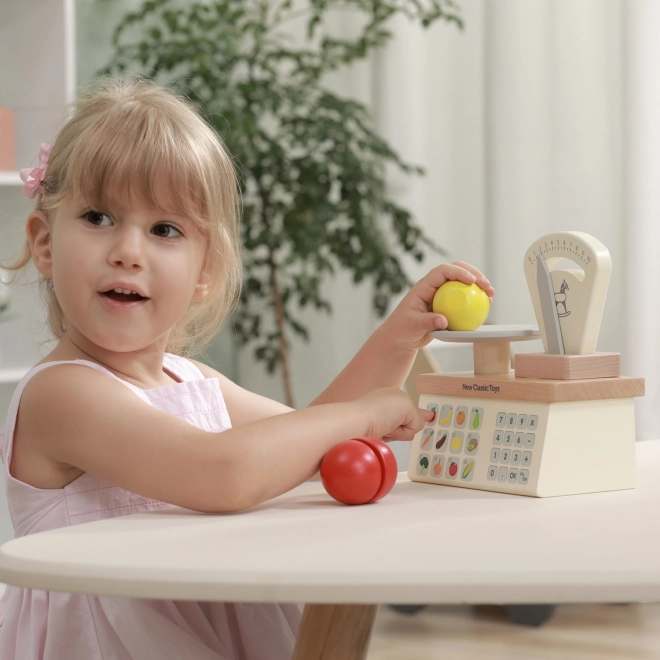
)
(388, 355)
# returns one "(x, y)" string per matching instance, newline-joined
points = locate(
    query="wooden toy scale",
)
(563, 422)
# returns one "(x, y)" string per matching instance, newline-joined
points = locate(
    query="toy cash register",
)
(563, 422)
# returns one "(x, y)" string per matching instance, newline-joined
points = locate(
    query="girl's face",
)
(96, 250)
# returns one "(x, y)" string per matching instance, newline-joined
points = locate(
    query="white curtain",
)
(537, 117)
(641, 312)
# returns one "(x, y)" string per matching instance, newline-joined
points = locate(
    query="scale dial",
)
(579, 292)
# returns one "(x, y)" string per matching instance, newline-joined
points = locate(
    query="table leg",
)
(335, 632)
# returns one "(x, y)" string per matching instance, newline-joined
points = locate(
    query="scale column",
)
(492, 357)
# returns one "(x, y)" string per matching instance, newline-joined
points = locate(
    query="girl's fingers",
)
(459, 271)
(471, 269)
(481, 279)
(425, 322)
(435, 278)
(405, 432)
(428, 415)
(435, 322)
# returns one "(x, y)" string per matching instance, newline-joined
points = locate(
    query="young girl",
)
(135, 235)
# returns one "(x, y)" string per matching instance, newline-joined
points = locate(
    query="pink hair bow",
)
(33, 186)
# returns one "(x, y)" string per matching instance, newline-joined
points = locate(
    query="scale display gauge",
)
(579, 293)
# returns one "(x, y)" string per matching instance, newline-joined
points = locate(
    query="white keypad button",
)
(494, 455)
(529, 440)
(506, 456)
(497, 437)
(519, 440)
(522, 421)
(523, 477)
(503, 474)
(500, 421)
(515, 458)
(511, 420)
(508, 438)
(513, 476)
(527, 458)
(492, 473)
(532, 422)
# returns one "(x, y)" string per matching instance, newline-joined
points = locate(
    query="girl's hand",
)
(411, 322)
(392, 414)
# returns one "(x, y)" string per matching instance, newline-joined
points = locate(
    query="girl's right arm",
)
(80, 417)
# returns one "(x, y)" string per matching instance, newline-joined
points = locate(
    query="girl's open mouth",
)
(118, 301)
(124, 297)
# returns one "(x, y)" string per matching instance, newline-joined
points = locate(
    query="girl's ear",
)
(202, 286)
(39, 237)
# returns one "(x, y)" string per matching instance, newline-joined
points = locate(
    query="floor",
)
(574, 632)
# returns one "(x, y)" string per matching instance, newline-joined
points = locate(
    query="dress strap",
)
(182, 368)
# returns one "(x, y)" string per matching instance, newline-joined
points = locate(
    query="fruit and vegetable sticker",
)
(456, 442)
(452, 468)
(476, 417)
(468, 470)
(441, 441)
(461, 417)
(445, 415)
(427, 439)
(433, 407)
(436, 468)
(472, 443)
(423, 465)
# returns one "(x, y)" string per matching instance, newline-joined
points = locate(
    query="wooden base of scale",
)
(566, 427)
(543, 390)
(537, 376)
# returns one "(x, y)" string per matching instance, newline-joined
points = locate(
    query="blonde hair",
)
(130, 140)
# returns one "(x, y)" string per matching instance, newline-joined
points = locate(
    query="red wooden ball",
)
(359, 471)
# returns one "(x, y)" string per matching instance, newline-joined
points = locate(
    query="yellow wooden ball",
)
(465, 306)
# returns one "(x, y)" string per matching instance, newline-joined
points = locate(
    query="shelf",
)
(10, 179)
(12, 375)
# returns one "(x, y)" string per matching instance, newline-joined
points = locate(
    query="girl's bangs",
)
(149, 172)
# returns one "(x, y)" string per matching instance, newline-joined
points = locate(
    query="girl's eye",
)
(166, 227)
(95, 217)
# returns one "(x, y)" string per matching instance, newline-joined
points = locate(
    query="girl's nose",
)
(127, 248)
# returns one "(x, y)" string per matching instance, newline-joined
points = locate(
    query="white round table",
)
(422, 544)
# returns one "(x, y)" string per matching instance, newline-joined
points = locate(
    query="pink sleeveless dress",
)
(42, 625)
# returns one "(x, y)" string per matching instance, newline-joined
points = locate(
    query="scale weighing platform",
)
(562, 422)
